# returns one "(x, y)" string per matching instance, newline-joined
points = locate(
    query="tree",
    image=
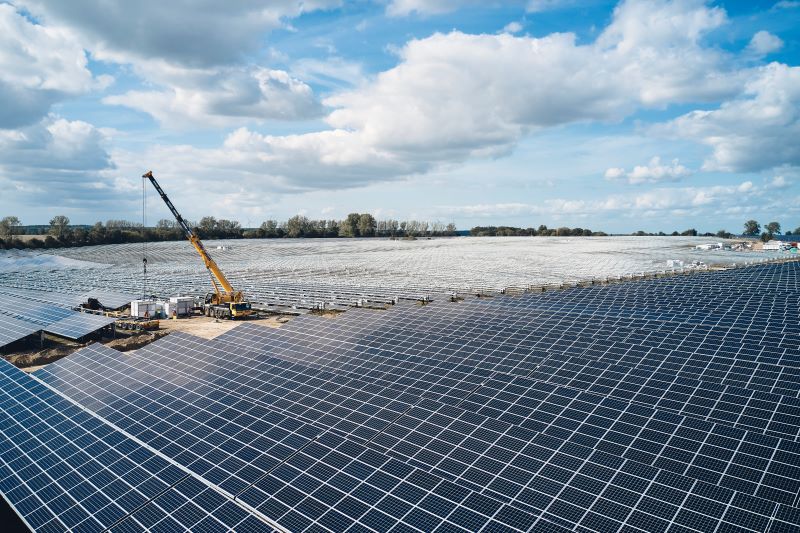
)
(766, 237)
(297, 226)
(773, 228)
(59, 225)
(9, 227)
(722, 234)
(229, 228)
(691, 232)
(332, 228)
(752, 228)
(451, 229)
(208, 224)
(349, 226)
(366, 225)
(269, 228)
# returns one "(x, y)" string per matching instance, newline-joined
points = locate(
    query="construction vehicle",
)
(224, 302)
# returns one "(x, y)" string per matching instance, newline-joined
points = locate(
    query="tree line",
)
(753, 229)
(60, 233)
(542, 231)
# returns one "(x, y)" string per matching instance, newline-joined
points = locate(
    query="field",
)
(314, 273)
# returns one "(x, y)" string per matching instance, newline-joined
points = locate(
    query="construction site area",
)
(455, 384)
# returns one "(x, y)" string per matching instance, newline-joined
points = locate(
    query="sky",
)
(647, 115)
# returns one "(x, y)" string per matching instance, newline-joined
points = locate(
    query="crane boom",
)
(224, 291)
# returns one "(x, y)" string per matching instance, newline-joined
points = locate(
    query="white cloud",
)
(56, 163)
(333, 71)
(401, 8)
(653, 172)
(614, 173)
(221, 96)
(755, 132)
(456, 96)
(780, 182)
(763, 43)
(38, 67)
(194, 54)
(198, 33)
(538, 6)
(513, 27)
(654, 203)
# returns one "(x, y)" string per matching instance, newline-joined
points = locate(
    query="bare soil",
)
(32, 358)
(208, 328)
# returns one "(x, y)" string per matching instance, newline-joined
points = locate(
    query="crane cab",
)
(226, 310)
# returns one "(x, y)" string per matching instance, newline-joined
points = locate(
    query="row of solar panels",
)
(25, 312)
(461, 417)
(267, 410)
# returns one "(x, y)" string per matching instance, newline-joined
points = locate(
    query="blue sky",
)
(643, 114)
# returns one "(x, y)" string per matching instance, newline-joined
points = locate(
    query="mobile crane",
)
(224, 302)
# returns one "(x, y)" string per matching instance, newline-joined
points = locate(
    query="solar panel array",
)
(62, 468)
(648, 406)
(26, 312)
(339, 273)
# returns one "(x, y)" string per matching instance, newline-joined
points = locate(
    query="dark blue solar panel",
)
(663, 405)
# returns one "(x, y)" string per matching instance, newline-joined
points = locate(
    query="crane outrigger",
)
(224, 302)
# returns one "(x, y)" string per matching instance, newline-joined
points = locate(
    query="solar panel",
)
(334, 484)
(78, 325)
(64, 469)
(13, 329)
(190, 505)
(664, 405)
(51, 318)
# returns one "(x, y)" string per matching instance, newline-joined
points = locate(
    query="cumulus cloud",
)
(195, 55)
(39, 66)
(656, 202)
(198, 33)
(780, 182)
(222, 96)
(763, 43)
(653, 172)
(457, 96)
(56, 163)
(538, 6)
(513, 27)
(757, 131)
(401, 8)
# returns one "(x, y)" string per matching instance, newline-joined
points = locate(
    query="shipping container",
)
(143, 308)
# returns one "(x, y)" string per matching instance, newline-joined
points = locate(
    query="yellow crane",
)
(224, 302)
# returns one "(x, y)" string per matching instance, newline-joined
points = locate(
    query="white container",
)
(180, 305)
(143, 308)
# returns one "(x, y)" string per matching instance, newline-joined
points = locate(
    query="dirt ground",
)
(208, 328)
(33, 358)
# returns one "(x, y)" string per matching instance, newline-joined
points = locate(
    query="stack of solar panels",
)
(614, 408)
